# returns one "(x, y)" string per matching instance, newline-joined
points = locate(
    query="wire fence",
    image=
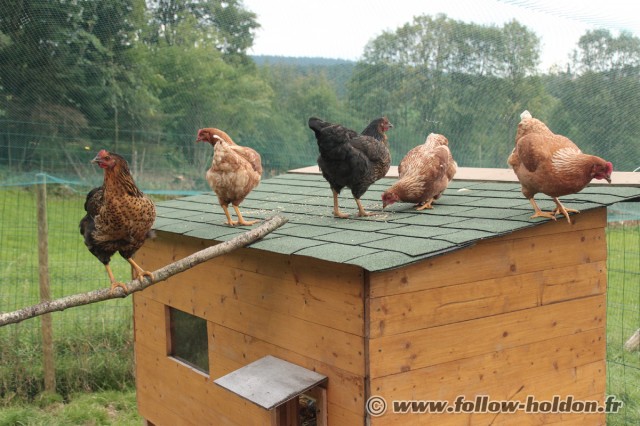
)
(140, 77)
(94, 344)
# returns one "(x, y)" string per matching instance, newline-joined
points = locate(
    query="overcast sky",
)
(341, 28)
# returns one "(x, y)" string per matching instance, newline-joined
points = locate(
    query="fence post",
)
(45, 290)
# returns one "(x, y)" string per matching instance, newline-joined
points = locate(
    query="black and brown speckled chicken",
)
(119, 216)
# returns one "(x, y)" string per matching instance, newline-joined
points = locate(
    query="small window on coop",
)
(188, 339)
(294, 395)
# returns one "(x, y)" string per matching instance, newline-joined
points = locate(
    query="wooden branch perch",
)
(161, 274)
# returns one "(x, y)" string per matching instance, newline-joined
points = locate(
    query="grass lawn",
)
(623, 318)
(93, 343)
(96, 408)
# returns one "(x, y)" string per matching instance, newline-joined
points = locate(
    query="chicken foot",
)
(361, 211)
(139, 272)
(114, 283)
(540, 213)
(426, 205)
(561, 209)
(240, 220)
(336, 208)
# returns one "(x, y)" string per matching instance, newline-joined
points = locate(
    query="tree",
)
(598, 103)
(599, 51)
(465, 80)
(225, 24)
(60, 64)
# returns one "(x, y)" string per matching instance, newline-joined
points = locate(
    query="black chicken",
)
(119, 216)
(352, 160)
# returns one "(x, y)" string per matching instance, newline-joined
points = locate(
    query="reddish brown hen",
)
(553, 165)
(235, 171)
(119, 216)
(424, 174)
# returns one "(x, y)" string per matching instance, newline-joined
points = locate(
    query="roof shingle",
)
(467, 212)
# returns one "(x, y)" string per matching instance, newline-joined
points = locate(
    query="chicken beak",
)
(608, 178)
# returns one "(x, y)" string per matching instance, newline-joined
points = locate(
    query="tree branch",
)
(161, 274)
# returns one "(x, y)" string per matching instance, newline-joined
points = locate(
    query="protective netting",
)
(141, 77)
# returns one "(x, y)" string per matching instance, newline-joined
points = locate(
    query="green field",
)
(94, 343)
(623, 318)
(96, 408)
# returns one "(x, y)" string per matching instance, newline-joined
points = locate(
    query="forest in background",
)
(139, 77)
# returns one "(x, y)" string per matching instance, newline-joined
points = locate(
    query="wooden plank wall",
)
(256, 303)
(514, 316)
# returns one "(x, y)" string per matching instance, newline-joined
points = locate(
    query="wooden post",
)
(45, 291)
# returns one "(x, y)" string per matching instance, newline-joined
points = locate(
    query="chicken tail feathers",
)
(525, 114)
(330, 137)
(317, 125)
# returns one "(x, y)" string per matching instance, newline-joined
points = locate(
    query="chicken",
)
(553, 165)
(119, 216)
(352, 160)
(424, 174)
(235, 171)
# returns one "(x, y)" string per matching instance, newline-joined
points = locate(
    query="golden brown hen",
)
(235, 171)
(119, 216)
(553, 165)
(424, 174)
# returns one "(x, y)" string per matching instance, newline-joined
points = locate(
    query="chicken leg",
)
(336, 208)
(114, 283)
(240, 220)
(361, 211)
(561, 209)
(540, 213)
(139, 272)
(426, 205)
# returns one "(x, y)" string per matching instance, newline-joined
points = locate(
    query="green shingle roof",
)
(468, 211)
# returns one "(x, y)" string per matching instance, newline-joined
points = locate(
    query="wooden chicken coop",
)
(469, 303)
